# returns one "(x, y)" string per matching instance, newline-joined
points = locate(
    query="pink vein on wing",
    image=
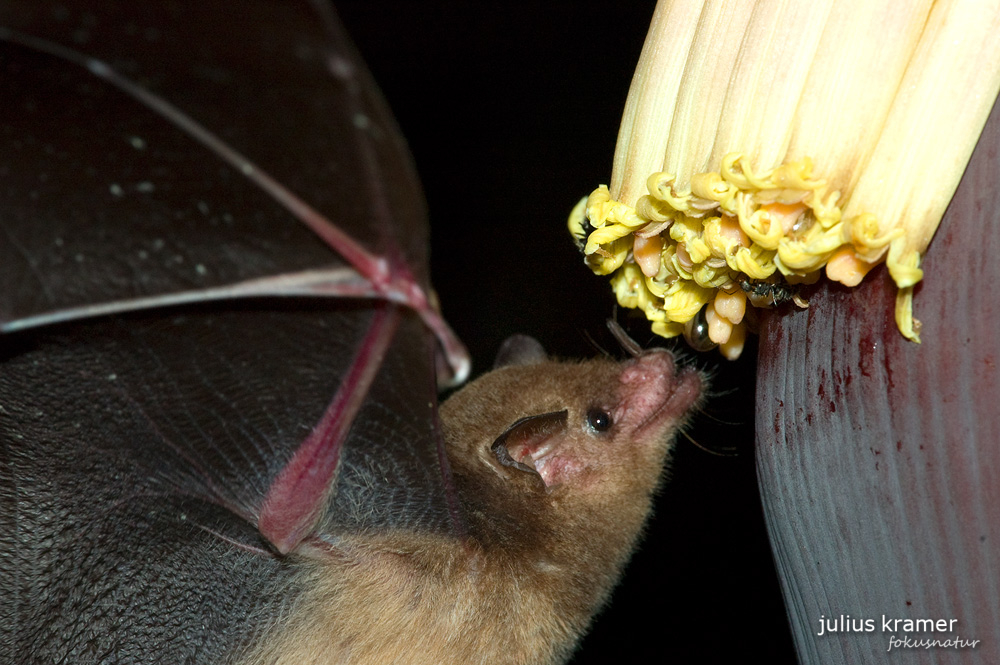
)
(296, 499)
(392, 283)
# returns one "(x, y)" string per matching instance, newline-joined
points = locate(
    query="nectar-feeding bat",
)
(554, 466)
(219, 421)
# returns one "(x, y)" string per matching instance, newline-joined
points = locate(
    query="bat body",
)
(218, 431)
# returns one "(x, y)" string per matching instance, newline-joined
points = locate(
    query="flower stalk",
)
(765, 142)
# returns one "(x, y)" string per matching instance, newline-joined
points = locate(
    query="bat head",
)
(574, 450)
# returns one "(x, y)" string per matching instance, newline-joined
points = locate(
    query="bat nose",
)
(650, 367)
(646, 384)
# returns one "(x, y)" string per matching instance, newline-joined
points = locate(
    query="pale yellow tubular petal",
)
(760, 227)
(688, 231)
(653, 209)
(714, 240)
(903, 263)
(852, 80)
(947, 93)
(713, 187)
(798, 178)
(865, 235)
(936, 117)
(776, 49)
(825, 208)
(824, 242)
(610, 257)
(655, 287)
(598, 196)
(660, 186)
(701, 97)
(650, 104)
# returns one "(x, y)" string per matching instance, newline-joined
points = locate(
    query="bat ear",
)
(520, 350)
(526, 438)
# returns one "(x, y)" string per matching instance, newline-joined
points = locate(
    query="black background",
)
(512, 111)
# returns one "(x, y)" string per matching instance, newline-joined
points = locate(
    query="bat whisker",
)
(707, 449)
(594, 344)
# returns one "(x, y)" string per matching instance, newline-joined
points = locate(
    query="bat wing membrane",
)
(138, 445)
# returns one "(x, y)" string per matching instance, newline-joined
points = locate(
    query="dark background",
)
(512, 111)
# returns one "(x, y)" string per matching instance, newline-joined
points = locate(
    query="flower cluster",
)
(734, 236)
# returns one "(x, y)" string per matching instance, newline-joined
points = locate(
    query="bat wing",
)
(218, 343)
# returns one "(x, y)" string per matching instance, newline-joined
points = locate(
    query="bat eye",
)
(599, 421)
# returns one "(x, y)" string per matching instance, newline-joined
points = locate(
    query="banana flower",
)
(765, 142)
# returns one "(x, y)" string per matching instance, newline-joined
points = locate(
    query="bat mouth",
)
(660, 395)
(684, 394)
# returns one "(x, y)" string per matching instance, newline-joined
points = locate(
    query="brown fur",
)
(540, 560)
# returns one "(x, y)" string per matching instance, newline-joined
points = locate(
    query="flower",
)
(763, 142)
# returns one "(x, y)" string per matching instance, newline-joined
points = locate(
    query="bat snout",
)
(655, 394)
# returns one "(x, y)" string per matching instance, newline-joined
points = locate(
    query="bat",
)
(220, 439)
